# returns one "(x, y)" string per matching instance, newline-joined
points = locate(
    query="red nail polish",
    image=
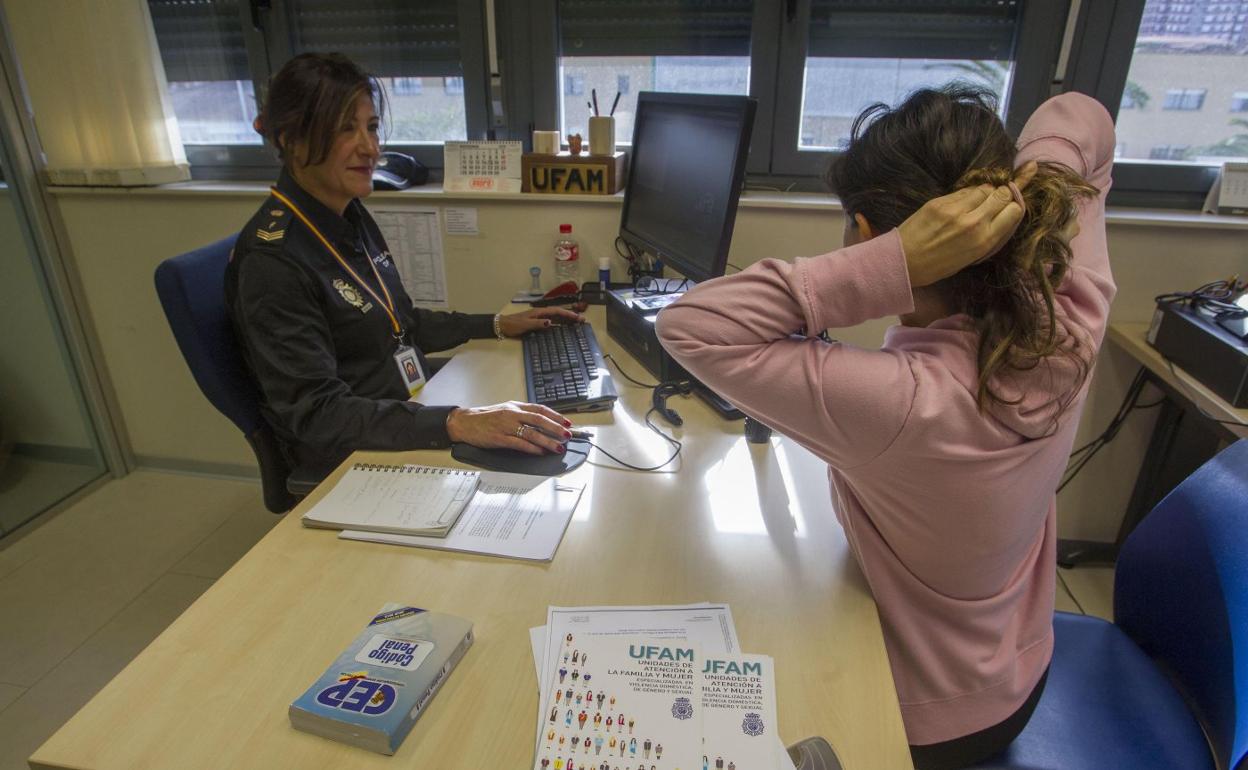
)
(560, 448)
(567, 423)
(567, 434)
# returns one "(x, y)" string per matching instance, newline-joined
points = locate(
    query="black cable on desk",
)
(626, 376)
(674, 442)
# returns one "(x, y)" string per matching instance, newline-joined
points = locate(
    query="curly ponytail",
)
(938, 141)
(1010, 296)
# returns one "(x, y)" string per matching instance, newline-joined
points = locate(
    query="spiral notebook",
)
(399, 499)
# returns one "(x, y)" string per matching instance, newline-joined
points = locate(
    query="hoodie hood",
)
(1028, 405)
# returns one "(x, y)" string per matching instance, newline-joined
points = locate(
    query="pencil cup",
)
(602, 135)
(546, 142)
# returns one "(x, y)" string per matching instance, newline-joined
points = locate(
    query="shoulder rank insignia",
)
(270, 235)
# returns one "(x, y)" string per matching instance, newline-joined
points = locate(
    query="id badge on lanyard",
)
(409, 369)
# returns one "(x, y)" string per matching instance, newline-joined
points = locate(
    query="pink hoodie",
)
(950, 512)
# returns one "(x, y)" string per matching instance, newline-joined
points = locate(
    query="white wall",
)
(118, 237)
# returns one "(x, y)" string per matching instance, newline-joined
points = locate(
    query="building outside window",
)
(1187, 99)
(1168, 152)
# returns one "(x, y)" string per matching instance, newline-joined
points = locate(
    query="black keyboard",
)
(564, 369)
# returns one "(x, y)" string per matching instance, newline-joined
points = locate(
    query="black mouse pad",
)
(511, 461)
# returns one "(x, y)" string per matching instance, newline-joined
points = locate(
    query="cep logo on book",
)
(394, 652)
(359, 694)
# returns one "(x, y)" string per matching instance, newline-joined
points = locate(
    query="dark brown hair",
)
(310, 100)
(933, 143)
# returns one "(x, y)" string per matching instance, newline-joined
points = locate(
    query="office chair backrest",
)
(191, 288)
(1181, 592)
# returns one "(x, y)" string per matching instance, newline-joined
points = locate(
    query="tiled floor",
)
(88, 590)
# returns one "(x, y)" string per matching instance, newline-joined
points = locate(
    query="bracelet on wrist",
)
(498, 326)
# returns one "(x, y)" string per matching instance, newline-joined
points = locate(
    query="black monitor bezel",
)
(745, 107)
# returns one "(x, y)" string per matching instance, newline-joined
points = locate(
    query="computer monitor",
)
(685, 178)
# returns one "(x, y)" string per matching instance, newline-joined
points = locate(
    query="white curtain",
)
(96, 84)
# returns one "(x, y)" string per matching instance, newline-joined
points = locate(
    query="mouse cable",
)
(674, 442)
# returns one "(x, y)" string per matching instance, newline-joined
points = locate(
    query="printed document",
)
(511, 515)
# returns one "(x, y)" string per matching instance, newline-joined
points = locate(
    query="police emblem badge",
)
(352, 295)
(682, 709)
(752, 725)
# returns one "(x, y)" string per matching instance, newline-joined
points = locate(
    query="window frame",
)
(1100, 60)
(528, 47)
(1038, 41)
(267, 33)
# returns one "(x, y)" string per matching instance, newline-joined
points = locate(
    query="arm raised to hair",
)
(749, 337)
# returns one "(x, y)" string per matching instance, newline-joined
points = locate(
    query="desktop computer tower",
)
(634, 331)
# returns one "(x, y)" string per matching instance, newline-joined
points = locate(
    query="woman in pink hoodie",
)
(945, 445)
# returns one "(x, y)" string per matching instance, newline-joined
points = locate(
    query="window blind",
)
(388, 38)
(200, 39)
(655, 27)
(914, 29)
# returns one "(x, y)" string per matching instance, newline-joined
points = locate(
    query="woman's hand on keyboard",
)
(529, 428)
(516, 324)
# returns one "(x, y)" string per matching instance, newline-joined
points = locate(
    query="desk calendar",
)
(482, 166)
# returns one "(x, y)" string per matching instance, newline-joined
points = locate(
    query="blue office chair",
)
(191, 288)
(1166, 684)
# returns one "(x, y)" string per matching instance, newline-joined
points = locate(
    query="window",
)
(686, 47)
(1148, 74)
(812, 65)
(210, 80)
(1186, 99)
(217, 56)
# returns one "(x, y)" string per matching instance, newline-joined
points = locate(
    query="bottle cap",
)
(565, 228)
(604, 263)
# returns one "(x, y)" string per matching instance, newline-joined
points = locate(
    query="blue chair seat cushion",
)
(1106, 705)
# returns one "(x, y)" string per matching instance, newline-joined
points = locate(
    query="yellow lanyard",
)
(388, 304)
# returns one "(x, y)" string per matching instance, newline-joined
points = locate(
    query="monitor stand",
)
(718, 403)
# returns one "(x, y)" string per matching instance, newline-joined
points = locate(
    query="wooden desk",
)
(751, 525)
(1131, 338)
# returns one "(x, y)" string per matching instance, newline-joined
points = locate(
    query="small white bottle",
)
(567, 257)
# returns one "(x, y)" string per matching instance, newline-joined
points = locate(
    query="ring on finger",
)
(520, 429)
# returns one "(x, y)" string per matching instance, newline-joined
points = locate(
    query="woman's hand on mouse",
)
(959, 229)
(529, 428)
(517, 324)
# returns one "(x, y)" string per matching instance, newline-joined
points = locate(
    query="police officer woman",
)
(326, 328)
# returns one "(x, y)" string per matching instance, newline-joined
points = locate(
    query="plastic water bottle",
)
(567, 257)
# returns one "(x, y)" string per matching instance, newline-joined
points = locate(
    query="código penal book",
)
(374, 692)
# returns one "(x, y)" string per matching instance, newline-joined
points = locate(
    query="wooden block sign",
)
(566, 174)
